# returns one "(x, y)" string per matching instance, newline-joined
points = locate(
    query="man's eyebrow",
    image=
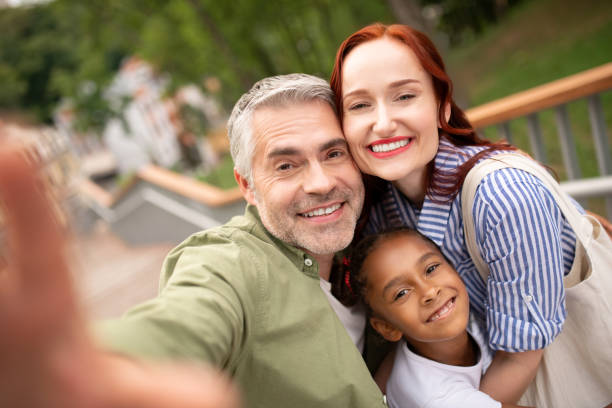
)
(283, 151)
(337, 142)
(292, 151)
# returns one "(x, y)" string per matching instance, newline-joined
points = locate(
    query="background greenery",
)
(493, 48)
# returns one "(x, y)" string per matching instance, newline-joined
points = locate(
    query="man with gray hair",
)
(246, 296)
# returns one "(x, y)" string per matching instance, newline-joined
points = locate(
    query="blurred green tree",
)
(71, 48)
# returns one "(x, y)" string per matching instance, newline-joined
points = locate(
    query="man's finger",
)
(32, 232)
(138, 386)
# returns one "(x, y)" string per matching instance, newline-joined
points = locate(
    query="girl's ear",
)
(387, 330)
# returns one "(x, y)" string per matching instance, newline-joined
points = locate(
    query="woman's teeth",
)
(322, 211)
(387, 147)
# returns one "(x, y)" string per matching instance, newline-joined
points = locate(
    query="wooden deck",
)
(111, 276)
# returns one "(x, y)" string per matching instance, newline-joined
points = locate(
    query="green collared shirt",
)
(238, 298)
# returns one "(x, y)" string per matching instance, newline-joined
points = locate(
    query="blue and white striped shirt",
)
(522, 236)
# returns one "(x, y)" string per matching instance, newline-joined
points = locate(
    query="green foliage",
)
(49, 51)
(461, 19)
(222, 175)
(519, 54)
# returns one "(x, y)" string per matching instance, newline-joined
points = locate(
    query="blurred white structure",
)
(147, 132)
(148, 127)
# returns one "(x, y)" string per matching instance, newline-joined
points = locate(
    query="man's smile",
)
(321, 211)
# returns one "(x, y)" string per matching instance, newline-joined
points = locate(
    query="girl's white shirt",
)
(419, 382)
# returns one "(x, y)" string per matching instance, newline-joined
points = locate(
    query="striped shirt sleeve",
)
(522, 236)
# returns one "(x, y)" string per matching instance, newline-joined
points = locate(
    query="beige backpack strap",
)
(581, 228)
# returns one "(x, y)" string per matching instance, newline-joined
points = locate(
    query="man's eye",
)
(284, 167)
(431, 268)
(335, 153)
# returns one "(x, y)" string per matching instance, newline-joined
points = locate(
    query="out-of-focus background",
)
(125, 103)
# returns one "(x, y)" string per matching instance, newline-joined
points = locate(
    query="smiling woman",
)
(416, 147)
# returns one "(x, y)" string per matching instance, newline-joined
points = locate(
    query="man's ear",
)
(245, 188)
(387, 330)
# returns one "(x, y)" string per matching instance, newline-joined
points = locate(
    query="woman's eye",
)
(431, 268)
(405, 97)
(357, 106)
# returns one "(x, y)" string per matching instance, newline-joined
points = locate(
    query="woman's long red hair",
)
(457, 129)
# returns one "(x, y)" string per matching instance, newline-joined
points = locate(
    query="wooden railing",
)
(556, 95)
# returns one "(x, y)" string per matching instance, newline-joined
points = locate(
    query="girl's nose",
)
(431, 294)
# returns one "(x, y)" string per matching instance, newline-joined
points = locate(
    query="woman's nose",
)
(385, 124)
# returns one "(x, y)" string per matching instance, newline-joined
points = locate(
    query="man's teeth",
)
(387, 147)
(322, 211)
(447, 307)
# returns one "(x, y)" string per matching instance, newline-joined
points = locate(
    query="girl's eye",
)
(401, 294)
(431, 268)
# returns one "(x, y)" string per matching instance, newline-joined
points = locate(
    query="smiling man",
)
(246, 297)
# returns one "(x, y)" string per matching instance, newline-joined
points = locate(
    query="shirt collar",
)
(303, 261)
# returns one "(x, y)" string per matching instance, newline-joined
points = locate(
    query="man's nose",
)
(385, 124)
(317, 179)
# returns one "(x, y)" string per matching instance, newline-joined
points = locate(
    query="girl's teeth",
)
(387, 147)
(322, 211)
(442, 311)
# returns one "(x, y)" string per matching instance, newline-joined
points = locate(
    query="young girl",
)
(415, 296)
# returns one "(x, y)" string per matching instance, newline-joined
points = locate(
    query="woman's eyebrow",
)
(394, 84)
(401, 82)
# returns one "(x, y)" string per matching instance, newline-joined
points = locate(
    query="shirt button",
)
(527, 298)
(308, 262)
(385, 399)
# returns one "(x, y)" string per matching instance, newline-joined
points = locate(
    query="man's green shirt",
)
(237, 297)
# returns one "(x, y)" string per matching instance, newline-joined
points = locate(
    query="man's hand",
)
(46, 356)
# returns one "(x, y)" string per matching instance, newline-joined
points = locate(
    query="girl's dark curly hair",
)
(355, 282)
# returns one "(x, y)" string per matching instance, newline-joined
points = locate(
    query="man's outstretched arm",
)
(47, 358)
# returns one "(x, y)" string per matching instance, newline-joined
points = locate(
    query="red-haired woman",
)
(403, 127)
